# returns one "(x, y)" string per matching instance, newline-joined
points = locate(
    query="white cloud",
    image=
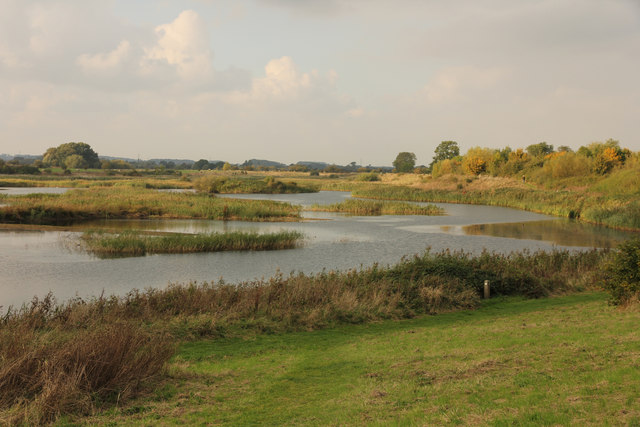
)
(105, 62)
(282, 80)
(182, 44)
(285, 84)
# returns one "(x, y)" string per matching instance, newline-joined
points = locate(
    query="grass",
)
(82, 181)
(371, 207)
(132, 202)
(53, 357)
(572, 360)
(135, 243)
(234, 185)
(50, 366)
(621, 212)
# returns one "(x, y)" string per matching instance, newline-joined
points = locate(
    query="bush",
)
(368, 177)
(622, 280)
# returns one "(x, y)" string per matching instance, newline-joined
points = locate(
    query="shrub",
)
(622, 278)
(372, 176)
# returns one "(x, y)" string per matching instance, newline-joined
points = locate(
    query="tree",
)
(477, 159)
(539, 150)
(404, 162)
(446, 150)
(202, 164)
(57, 156)
(75, 161)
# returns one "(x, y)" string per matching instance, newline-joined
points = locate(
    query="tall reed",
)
(134, 243)
(131, 202)
(372, 207)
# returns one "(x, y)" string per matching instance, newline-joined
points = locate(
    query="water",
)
(17, 191)
(36, 262)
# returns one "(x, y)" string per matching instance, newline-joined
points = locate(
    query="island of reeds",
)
(233, 185)
(131, 202)
(375, 207)
(135, 243)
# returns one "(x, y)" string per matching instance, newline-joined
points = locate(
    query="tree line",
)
(539, 159)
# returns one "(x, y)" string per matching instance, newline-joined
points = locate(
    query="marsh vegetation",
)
(134, 202)
(134, 243)
(105, 349)
(373, 207)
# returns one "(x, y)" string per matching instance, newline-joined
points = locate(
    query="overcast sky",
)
(325, 80)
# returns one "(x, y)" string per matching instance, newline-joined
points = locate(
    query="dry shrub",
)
(53, 370)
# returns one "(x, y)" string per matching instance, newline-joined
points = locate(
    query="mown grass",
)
(133, 243)
(50, 358)
(572, 360)
(131, 202)
(372, 207)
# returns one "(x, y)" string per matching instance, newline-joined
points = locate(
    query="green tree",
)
(446, 150)
(539, 150)
(57, 156)
(75, 161)
(202, 164)
(404, 162)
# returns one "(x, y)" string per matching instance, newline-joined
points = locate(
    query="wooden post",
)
(487, 290)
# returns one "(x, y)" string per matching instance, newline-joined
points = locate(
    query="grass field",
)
(570, 360)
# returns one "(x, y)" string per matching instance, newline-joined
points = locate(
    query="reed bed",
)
(131, 202)
(622, 211)
(95, 181)
(214, 184)
(134, 243)
(74, 357)
(51, 367)
(373, 207)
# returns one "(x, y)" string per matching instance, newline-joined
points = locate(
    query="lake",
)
(36, 262)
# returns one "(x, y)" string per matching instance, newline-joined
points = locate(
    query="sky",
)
(335, 81)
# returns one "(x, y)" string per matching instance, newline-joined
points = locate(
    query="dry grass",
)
(83, 355)
(49, 368)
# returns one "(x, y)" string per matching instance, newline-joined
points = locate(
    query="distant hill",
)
(314, 165)
(29, 157)
(264, 163)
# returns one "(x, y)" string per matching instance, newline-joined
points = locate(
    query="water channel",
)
(36, 262)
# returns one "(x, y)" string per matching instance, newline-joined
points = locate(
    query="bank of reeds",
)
(621, 212)
(52, 366)
(130, 202)
(68, 358)
(214, 184)
(374, 207)
(95, 181)
(133, 243)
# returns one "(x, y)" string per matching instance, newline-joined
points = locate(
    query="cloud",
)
(284, 84)
(183, 44)
(282, 80)
(105, 62)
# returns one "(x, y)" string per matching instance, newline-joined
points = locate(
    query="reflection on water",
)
(17, 191)
(562, 232)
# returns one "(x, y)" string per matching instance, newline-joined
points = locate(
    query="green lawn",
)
(571, 360)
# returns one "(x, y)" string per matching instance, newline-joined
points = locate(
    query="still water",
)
(36, 262)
